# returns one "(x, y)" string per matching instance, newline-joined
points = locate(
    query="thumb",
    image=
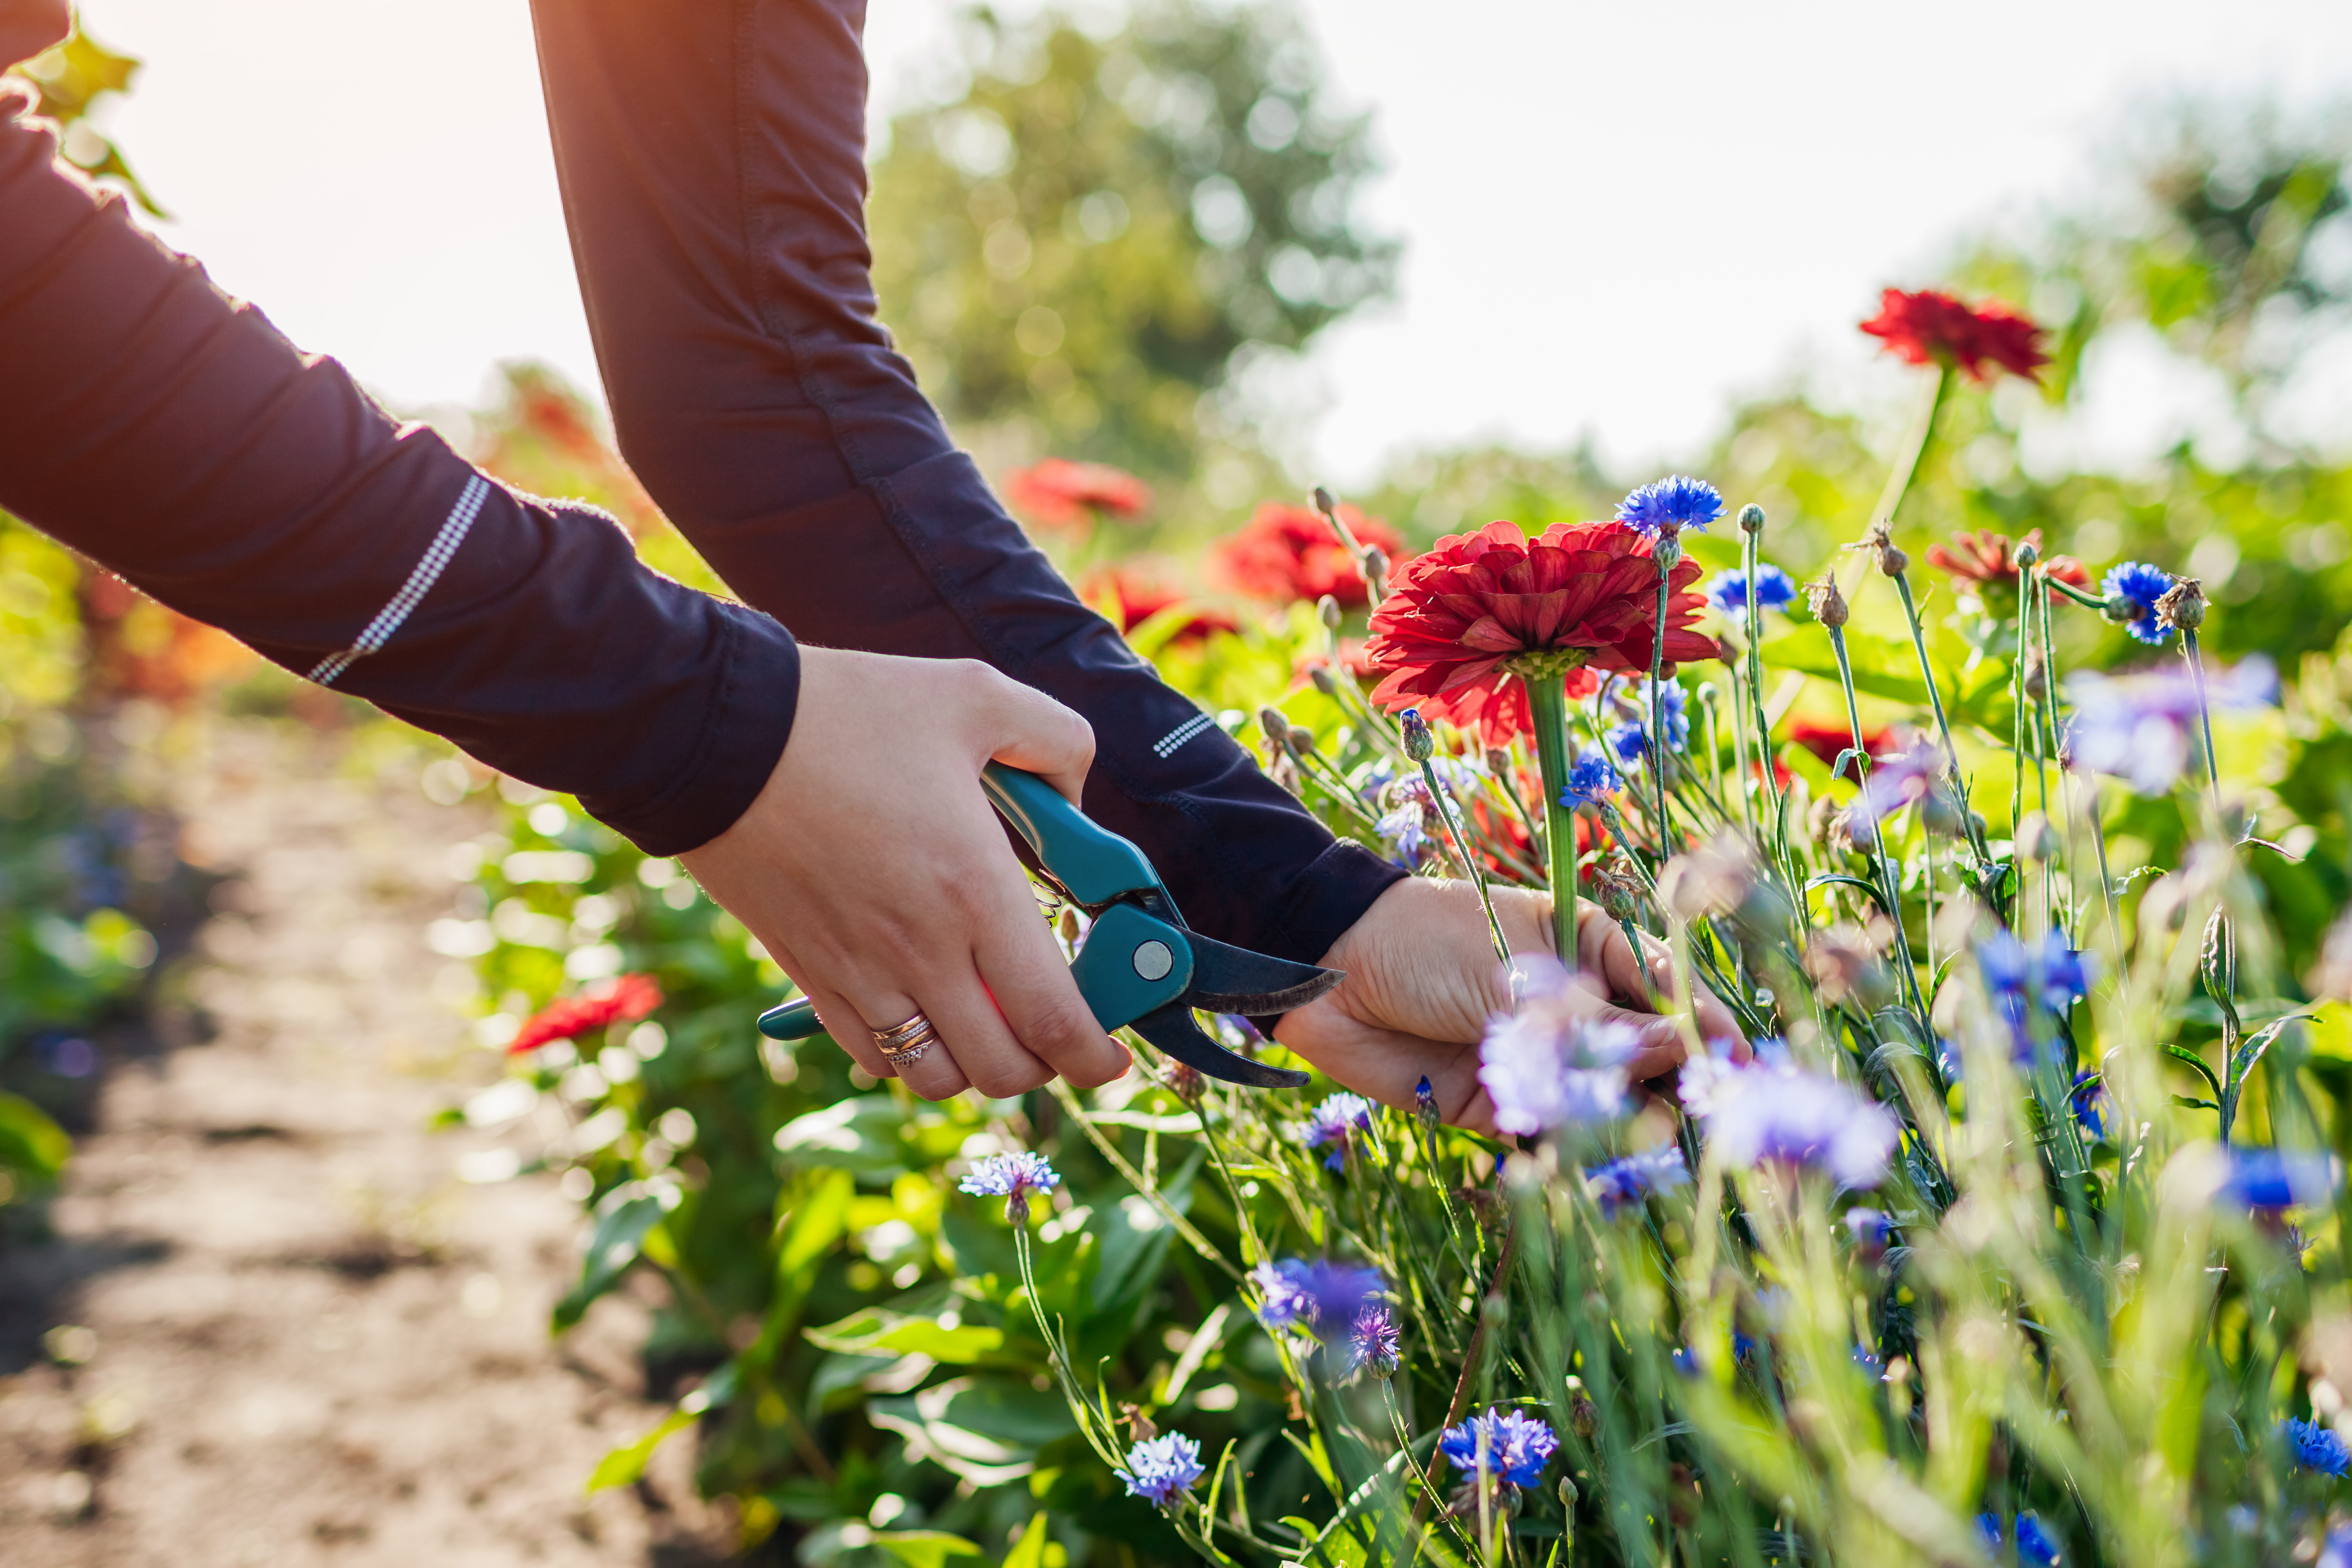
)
(1026, 729)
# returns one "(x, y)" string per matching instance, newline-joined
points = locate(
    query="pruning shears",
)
(1140, 968)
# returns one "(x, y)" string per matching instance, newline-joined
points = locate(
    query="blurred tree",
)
(1081, 246)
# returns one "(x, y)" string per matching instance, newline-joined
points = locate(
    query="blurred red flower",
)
(1481, 609)
(1290, 553)
(1352, 659)
(1986, 557)
(1827, 740)
(1060, 493)
(567, 1018)
(1141, 594)
(1932, 327)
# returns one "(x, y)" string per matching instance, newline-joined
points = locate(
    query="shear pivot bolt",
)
(1153, 960)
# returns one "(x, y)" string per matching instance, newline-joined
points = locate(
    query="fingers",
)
(1660, 1048)
(1024, 728)
(934, 1076)
(1039, 1003)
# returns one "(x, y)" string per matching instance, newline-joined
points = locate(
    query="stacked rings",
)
(903, 1043)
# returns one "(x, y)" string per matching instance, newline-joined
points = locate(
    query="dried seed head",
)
(2183, 608)
(1713, 879)
(1844, 963)
(1187, 1082)
(1138, 1422)
(1883, 553)
(1818, 819)
(1498, 762)
(1616, 889)
(1751, 518)
(1828, 604)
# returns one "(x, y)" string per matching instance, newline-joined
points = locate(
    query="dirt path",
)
(307, 1342)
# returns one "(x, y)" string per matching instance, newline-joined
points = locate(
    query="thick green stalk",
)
(1548, 699)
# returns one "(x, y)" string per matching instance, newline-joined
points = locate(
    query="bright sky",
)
(1618, 217)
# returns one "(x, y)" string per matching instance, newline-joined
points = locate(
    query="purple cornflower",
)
(1012, 1178)
(2269, 1180)
(2142, 727)
(2336, 1552)
(1305, 1295)
(1375, 1344)
(1589, 779)
(1625, 1182)
(1550, 1065)
(2132, 591)
(1405, 831)
(1424, 1103)
(1727, 590)
(1162, 1469)
(1783, 1114)
(1894, 782)
(1336, 1123)
(1869, 1229)
(1631, 739)
(2315, 1447)
(1517, 1447)
(1666, 506)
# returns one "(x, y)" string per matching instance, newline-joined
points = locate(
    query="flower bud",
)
(1324, 680)
(1751, 518)
(1583, 1414)
(1376, 570)
(2035, 676)
(1828, 604)
(1425, 1105)
(2183, 608)
(1302, 739)
(1187, 1082)
(1138, 1424)
(2122, 609)
(1276, 725)
(2036, 838)
(1668, 551)
(1498, 762)
(1419, 744)
(1323, 501)
(1327, 610)
(2028, 552)
(1567, 1493)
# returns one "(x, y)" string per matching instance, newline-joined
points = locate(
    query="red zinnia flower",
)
(1142, 594)
(1481, 609)
(1931, 327)
(1290, 553)
(568, 1017)
(1060, 493)
(1988, 557)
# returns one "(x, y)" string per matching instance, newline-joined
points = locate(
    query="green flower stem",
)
(1658, 762)
(1751, 562)
(1470, 868)
(1878, 831)
(2196, 657)
(1548, 700)
(2017, 716)
(2082, 596)
(1899, 477)
(1943, 724)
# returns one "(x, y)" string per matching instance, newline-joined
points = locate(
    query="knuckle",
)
(1004, 1081)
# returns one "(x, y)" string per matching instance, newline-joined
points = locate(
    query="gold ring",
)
(907, 1055)
(898, 1034)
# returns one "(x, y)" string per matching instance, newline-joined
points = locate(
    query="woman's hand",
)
(875, 871)
(1422, 981)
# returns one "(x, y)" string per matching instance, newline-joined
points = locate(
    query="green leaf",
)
(861, 1135)
(1029, 1551)
(877, 1330)
(926, 1548)
(2191, 1058)
(627, 1463)
(29, 1141)
(623, 1219)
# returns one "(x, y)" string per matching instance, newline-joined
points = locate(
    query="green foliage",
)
(72, 78)
(1089, 238)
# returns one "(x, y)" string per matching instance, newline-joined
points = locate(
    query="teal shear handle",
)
(1093, 865)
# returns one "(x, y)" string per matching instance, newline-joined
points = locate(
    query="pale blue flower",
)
(2144, 727)
(1727, 590)
(1335, 1123)
(1550, 1064)
(1623, 1183)
(2140, 585)
(1375, 1344)
(1309, 1295)
(1162, 1469)
(1011, 1176)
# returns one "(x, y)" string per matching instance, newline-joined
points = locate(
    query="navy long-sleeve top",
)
(711, 159)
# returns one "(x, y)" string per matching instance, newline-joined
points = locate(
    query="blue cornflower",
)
(1781, 1114)
(1727, 590)
(1518, 1447)
(1988, 1529)
(1869, 1229)
(2336, 1550)
(1336, 1123)
(1623, 1182)
(2132, 591)
(1162, 1469)
(2090, 1094)
(1302, 1295)
(1686, 1363)
(1424, 1103)
(1630, 740)
(2142, 727)
(1666, 506)
(1375, 1344)
(2034, 1543)
(1551, 1064)
(1012, 1178)
(2315, 1447)
(1590, 778)
(2274, 1179)
(2048, 973)
(1405, 830)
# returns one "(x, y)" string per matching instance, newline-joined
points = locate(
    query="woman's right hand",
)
(874, 870)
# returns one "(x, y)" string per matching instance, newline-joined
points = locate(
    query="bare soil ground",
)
(307, 1342)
